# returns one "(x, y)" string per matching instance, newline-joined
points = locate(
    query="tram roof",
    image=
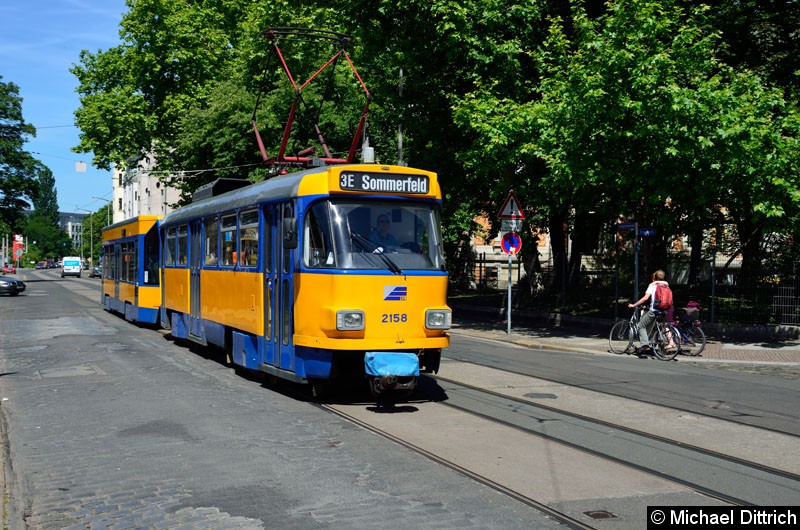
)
(281, 186)
(140, 221)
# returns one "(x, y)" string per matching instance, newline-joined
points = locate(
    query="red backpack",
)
(663, 297)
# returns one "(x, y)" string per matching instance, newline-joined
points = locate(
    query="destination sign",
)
(381, 182)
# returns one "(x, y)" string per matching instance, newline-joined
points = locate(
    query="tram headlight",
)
(349, 320)
(438, 319)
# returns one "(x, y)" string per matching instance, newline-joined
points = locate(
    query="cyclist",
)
(648, 319)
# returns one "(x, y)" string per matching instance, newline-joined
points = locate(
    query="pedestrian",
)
(648, 318)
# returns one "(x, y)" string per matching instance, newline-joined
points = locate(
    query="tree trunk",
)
(558, 245)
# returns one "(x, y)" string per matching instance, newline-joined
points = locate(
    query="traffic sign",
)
(510, 208)
(511, 243)
(510, 225)
(644, 232)
(626, 226)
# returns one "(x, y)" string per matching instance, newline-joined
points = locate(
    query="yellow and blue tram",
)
(131, 283)
(296, 276)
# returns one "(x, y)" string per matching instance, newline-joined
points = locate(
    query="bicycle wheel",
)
(694, 342)
(666, 343)
(620, 339)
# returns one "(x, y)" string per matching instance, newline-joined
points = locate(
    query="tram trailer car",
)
(292, 276)
(131, 283)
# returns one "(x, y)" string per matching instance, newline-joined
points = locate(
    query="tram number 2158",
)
(391, 318)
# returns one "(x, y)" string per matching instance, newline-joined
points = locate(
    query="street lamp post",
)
(91, 236)
(108, 208)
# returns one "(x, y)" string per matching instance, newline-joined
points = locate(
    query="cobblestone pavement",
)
(108, 425)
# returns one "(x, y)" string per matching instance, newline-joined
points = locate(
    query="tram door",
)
(284, 293)
(195, 262)
(117, 264)
(271, 344)
(278, 307)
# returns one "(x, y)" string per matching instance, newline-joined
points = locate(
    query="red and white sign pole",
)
(510, 216)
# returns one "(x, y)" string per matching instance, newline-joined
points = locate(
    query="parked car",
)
(10, 268)
(96, 272)
(11, 286)
(41, 265)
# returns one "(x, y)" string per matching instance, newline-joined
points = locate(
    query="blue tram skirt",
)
(380, 363)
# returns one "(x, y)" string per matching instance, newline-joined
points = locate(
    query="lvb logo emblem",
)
(395, 293)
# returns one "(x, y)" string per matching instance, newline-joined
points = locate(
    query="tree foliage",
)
(636, 116)
(182, 86)
(45, 203)
(679, 116)
(42, 226)
(19, 171)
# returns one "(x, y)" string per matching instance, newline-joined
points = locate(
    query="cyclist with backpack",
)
(659, 296)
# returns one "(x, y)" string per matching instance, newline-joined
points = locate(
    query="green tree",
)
(18, 169)
(46, 200)
(636, 116)
(181, 86)
(588, 110)
(133, 95)
(42, 226)
(47, 238)
(760, 36)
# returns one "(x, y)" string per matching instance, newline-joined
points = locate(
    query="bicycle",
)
(625, 332)
(692, 337)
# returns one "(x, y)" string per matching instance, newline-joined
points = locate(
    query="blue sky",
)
(39, 41)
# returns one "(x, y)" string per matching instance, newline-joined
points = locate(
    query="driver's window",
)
(317, 247)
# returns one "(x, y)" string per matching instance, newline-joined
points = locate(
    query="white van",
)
(71, 266)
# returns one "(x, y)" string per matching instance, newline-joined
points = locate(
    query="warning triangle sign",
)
(511, 209)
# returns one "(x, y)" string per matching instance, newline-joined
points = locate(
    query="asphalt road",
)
(109, 424)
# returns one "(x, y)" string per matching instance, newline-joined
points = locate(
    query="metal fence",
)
(726, 295)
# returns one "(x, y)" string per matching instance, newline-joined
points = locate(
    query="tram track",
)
(556, 515)
(739, 466)
(719, 478)
(709, 472)
(709, 405)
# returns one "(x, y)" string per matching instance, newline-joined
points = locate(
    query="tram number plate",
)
(391, 318)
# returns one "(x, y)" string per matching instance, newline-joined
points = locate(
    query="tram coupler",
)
(391, 371)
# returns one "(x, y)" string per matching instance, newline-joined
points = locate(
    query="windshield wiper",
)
(369, 246)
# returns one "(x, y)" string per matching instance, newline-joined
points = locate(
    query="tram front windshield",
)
(395, 236)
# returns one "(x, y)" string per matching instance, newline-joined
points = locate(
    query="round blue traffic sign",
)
(511, 243)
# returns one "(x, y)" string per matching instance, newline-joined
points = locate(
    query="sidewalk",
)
(592, 338)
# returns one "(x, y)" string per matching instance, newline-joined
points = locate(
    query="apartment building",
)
(138, 190)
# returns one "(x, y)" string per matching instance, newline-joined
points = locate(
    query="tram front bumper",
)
(391, 370)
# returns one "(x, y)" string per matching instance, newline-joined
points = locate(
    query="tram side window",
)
(183, 245)
(169, 247)
(229, 240)
(288, 213)
(151, 257)
(128, 262)
(109, 268)
(317, 247)
(211, 247)
(248, 238)
(269, 219)
(114, 267)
